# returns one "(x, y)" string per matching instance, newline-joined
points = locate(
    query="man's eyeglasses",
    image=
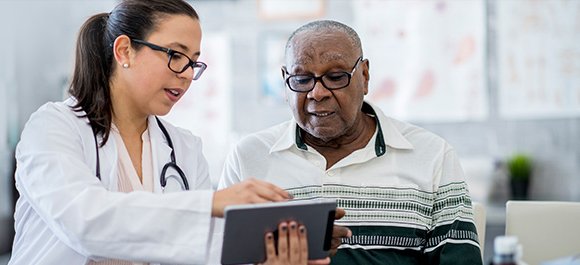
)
(178, 62)
(333, 80)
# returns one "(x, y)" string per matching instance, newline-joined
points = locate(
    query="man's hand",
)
(247, 191)
(338, 232)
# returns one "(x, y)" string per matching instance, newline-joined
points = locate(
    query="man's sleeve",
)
(231, 173)
(453, 237)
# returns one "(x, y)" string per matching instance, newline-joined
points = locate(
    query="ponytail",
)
(94, 54)
(90, 82)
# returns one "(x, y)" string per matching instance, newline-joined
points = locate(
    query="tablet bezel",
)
(246, 225)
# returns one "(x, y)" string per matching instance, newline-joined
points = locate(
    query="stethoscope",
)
(171, 164)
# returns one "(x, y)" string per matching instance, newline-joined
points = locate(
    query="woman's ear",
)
(122, 51)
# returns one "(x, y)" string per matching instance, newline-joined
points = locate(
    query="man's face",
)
(326, 114)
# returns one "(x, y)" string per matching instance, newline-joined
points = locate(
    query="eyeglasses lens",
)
(179, 64)
(329, 80)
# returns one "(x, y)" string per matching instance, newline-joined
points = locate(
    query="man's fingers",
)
(339, 213)
(335, 243)
(340, 231)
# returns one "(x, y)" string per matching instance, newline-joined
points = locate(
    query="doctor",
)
(102, 179)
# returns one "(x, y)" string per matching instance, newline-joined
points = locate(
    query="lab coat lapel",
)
(108, 155)
(160, 150)
(109, 162)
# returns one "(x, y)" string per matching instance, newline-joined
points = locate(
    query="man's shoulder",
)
(408, 130)
(413, 133)
(266, 137)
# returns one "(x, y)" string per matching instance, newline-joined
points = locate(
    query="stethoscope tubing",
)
(172, 164)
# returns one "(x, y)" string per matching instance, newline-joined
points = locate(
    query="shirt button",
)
(331, 173)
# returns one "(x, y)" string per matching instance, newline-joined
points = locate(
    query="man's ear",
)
(283, 71)
(366, 74)
(122, 51)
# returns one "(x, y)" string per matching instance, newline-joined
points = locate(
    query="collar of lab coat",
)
(108, 154)
(160, 151)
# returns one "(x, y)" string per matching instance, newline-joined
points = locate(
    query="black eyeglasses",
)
(178, 61)
(333, 80)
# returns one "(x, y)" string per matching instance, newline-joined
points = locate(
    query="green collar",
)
(380, 146)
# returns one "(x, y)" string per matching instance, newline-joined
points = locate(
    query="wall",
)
(3, 137)
(553, 143)
(37, 59)
(36, 54)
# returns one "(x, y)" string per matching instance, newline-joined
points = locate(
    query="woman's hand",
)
(247, 191)
(292, 246)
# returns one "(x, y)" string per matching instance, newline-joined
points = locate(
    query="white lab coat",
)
(65, 215)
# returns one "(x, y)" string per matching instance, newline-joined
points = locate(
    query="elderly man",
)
(402, 187)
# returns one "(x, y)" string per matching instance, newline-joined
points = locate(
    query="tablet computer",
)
(246, 225)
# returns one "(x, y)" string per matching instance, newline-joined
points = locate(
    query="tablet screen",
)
(246, 226)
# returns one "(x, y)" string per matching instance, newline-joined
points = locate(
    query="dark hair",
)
(94, 53)
(325, 26)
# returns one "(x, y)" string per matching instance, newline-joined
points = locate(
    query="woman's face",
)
(147, 86)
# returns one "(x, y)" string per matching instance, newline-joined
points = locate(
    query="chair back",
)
(546, 230)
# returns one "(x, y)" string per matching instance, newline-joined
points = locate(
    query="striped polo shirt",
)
(404, 193)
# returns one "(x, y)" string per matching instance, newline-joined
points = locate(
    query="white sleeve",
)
(194, 159)
(54, 177)
(230, 176)
(231, 173)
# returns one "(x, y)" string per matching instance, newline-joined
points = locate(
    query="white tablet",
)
(246, 226)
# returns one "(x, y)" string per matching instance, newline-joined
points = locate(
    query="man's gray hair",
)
(324, 26)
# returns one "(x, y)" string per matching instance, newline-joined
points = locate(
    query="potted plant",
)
(520, 170)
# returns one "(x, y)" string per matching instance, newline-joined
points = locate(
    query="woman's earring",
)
(125, 65)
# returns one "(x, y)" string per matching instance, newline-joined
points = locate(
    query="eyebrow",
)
(325, 59)
(182, 47)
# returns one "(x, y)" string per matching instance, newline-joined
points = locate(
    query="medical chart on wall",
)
(272, 48)
(426, 58)
(206, 108)
(538, 44)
